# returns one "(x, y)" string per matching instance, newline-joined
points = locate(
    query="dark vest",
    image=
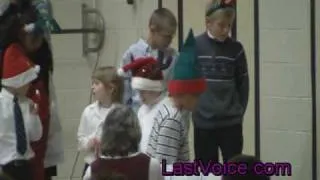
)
(130, 168)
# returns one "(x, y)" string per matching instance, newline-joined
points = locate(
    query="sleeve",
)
(127, 94)
(84, 135)
(169, 140)
(242, 78)
(34, 127)
(155, 170)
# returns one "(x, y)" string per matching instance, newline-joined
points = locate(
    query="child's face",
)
(32, 43)
(186, 101)
(100, 91)
(162, 39)
(149, 97)
(219, 27)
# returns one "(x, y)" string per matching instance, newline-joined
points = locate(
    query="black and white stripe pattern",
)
(169, 135)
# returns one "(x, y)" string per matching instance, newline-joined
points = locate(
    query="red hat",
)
(17, 68)
(146, 72)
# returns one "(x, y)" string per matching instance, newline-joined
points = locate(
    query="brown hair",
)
(227, 12)
(162, 18)
(121, 132)
(109, 75)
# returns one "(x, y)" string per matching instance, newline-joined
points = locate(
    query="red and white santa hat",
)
(146, 74)
(18, 70)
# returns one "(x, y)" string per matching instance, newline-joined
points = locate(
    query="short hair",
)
(227, 12)
(162, 18)
(107, 75)
(121, 132)
(250, 161)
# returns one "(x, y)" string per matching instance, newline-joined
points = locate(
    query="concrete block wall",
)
(285, 84)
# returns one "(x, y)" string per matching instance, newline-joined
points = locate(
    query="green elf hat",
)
(187, 78)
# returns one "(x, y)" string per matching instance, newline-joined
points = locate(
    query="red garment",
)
(40, 96)
(123, 167)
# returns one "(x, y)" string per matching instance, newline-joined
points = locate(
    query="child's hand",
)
(93, 143)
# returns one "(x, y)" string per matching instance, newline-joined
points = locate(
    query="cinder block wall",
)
(286, 84)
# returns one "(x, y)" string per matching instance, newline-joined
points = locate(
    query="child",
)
(148, 81)
(169, 135)
(219, 115)
(162, 28)
(250, 161)
(107, 89)
(19, 120)
(120, 158)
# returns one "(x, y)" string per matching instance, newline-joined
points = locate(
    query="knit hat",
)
(17, 68)
(146, 72)
(187, 77)
(220, 5)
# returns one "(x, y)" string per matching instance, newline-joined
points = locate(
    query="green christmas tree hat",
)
(187, 78)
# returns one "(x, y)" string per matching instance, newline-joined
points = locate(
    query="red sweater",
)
(124, 167)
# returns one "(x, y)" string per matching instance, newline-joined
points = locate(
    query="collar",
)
(6, 93)
(120, 157)
(214, 38)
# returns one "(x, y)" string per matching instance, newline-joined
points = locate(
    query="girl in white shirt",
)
(107, 88)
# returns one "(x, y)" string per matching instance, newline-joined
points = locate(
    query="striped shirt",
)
(169, 135)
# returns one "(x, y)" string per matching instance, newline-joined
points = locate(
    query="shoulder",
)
(139, 46)
(201, 37)
(167, 109)
(88, 109)
(237, 44)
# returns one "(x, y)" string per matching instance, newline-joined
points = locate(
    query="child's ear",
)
(152, 28)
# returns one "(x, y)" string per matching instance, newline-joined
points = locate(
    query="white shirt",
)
(8, 141)
(90, 127)
(146, 116)
(154, 168)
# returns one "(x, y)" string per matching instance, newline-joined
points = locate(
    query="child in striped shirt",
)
(169, 136)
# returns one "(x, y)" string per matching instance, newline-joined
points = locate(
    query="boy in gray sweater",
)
(219, 115)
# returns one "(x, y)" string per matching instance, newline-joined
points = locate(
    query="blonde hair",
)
(107, 75)
(227, 12)
(161, 19)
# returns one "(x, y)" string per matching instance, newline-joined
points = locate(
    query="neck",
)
(156, 100)
(105, 103)
(176, 104)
